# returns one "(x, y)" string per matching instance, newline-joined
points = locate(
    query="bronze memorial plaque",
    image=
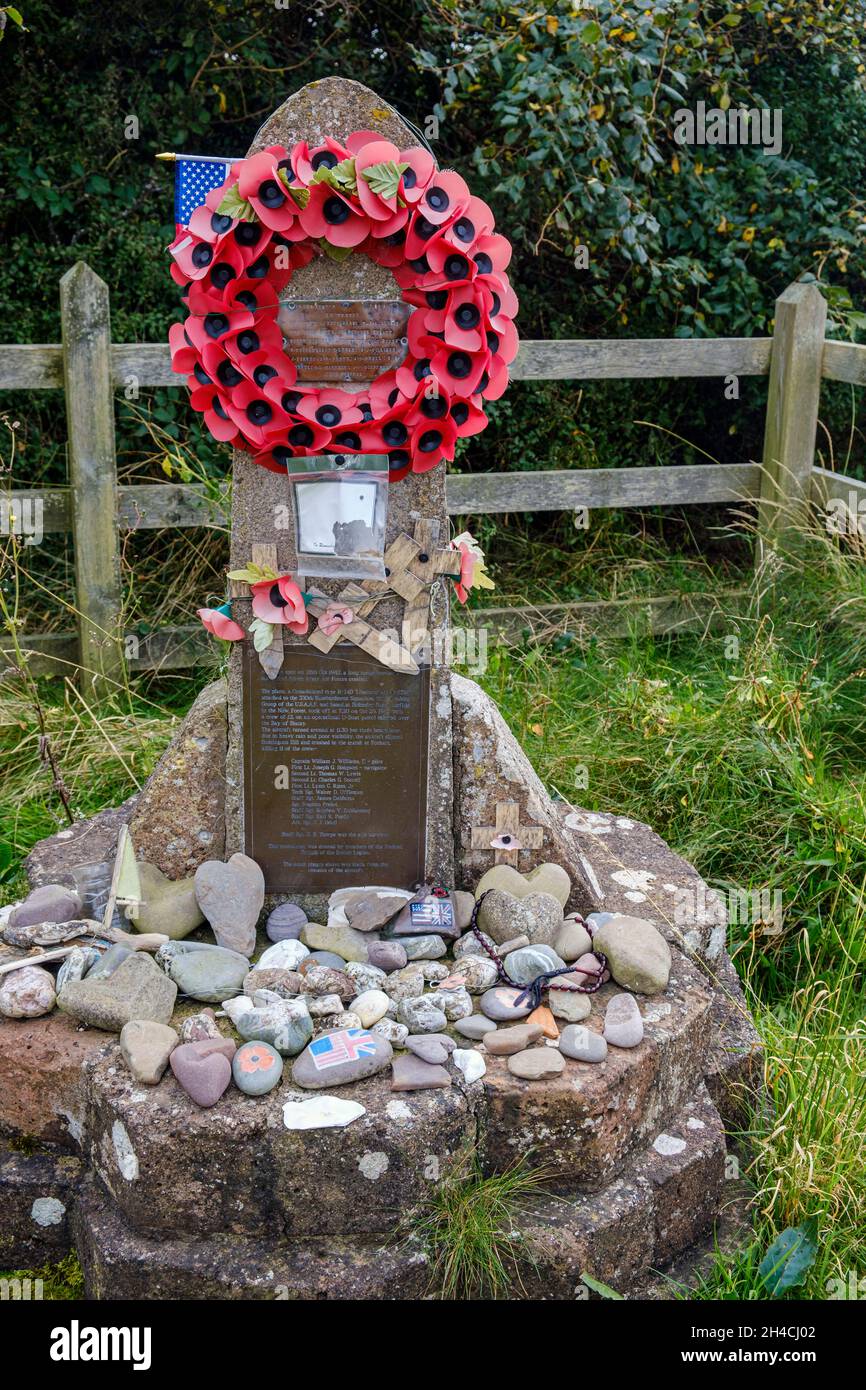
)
(344, 342)
(335, 771)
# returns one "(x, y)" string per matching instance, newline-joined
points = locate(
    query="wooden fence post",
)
(89, 388)
(792, 411)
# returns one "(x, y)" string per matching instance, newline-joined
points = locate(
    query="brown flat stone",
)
(410, 1073)
(41, 1090)
(537, 1064)
(506, 1041)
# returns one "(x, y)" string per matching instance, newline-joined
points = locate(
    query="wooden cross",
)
(507, 828)
(411, 567)
(368, 638)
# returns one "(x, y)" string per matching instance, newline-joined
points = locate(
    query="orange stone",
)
(545, 1020)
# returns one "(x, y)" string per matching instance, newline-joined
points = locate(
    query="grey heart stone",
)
(231, 896)
(538, 916)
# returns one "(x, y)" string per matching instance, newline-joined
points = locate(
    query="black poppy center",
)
(430, 440)
(434, 407)
(263, 374)
(424, 229)
(410, 178)
(215, 325)
(248, 342)
(467, 316)
(460, 412)
(335, 212)
(484, 263)
(275, 596)
(349, 440)
(201, 375)
(324, 158)
(395, 433)
(271, 194)
(437, 299)
(259, 412)
(221, 274)
(259, 269)
(464, 230)
(456, 267)
(202, 255)
(248, 299)
(437, 199)
(329, 416)
(246, 233)
(220, 223)
(301, 435)
(290, 401)
(459, 365)
(421, 369)
(228, 375)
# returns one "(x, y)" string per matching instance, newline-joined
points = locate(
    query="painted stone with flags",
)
(349, 1054)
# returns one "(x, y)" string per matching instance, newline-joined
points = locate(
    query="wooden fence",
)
(89, 368)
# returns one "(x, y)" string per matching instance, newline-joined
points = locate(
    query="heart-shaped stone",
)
(168, 906)
(231, 896)
(203, 1069)
(546, 878)
(537, 916)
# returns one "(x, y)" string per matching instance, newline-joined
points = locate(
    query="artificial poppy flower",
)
(216, 327)
(445, 197)
(492, 253)
(208, 400)
(385, 396)
(280, 601)
(449, 265)
(386, 249)
(332, 409)
(261, 185)
(184, 355)
(468, 416)
(413, 372)
(219, 621)
(474, 222)
(460, 372)
(387, 433)
(420, 233)
(462, 320)
(376, 206)
(331, 214)
(306, 161)
(432, 440)
(263, 334)
(433, 405)
(473, 574)
(258, 418)
(415, 179)
(334, 617)
(399, 465)
(192, 255)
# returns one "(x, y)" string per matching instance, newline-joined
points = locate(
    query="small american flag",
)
(194, 178)
(346, 1046)
(432, 912)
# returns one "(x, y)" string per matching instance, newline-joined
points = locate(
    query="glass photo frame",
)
(341, 511)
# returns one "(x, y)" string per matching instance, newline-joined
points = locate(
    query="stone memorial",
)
(349, 798)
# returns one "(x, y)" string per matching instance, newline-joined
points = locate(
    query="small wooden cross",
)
(368, 638)
(507, 828)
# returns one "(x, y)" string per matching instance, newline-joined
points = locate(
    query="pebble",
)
(583, 1044)
(478, 973)
(529, 962)
(454, 1003)
(396, 1033)
(372, 908)
(285, 983)
(285, 922)
(637, 954)
(387, 955)
(422, 1014)
(341, 1057)
(287, 1026)
(335, 1023)
(146, 1048)
(538, 916)
(513, 945)
(231, 896)
(108, 961)
(431, 1047)
(410, 1073)
(587, 962)
(256, 1068)
(321, 1112)
(573, 941)
(500, 1004)
(364, 976)
(283, 955)
(469, 945)
(538, 1064)
(371, 1006)
(199, 1026)
(203, 1069)
(136, 989)
(433, 971)
(328, 958)
(545, 1020)
(76, 965)
(27, 993)
(168, 905)
(321, 979)
(343, 941)
(404, 984)
(236, 1007)
(475, 1027)
(623, 1025)
(424, 947)
(205, 972)
(50, 903)
(505, 1042)
(464, 906)
(470, 1062)
(570, 1005)
(324, 1005)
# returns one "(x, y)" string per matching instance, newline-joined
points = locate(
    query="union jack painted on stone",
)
(346, 1046)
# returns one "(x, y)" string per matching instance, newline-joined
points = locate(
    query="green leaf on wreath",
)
(233, 205)
(336, 253)
(300, 196)
(342, 176)
(384, 179)
(263, 634)
(252, 574)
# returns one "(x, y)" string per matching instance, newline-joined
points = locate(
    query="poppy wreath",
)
(279, 208)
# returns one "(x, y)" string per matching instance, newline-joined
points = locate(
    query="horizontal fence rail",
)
(795, 361)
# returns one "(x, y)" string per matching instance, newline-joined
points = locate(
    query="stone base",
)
(37, 1191)
(664, 1201)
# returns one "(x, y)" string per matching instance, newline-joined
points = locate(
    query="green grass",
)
(63, 1280)
(745, 748)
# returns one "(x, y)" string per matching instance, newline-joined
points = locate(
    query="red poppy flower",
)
(208, 400)
(216, 327)
(445, 197)
(306, 161)
(376, 152)
(184, 356)
(431, 441)
(259, 418)
(261, 185)
(415, 179)
(474, 222)
(331, 215)
(219, 621)
(332, 409)
(468, 416)
(334, 617)
(280, 601)
(460, 372)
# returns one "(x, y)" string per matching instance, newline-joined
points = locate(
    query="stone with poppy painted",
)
(256, 1068)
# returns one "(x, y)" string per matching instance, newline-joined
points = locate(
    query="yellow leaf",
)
(724, 101)
(597, 111)
(552, 23)
(537, 729)
(748, 234)
(675, 165)
(630, 36)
